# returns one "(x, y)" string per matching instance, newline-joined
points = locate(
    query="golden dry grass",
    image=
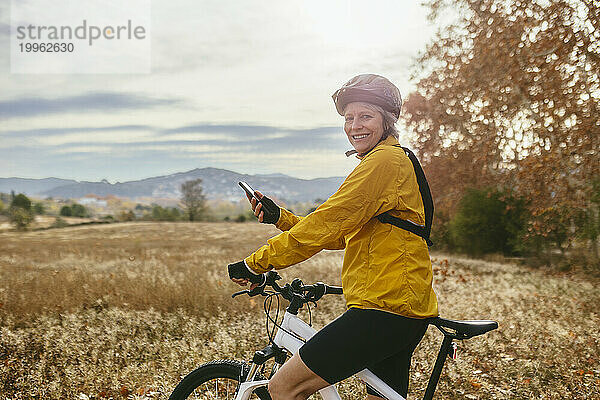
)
(124, 310)
(43, 222)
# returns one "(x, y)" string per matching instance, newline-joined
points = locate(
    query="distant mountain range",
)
(217, 184)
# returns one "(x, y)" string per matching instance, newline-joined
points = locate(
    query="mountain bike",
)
(232, 379)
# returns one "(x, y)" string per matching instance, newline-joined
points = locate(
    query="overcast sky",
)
(244, 86)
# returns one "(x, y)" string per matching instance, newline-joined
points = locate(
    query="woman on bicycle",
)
(386, 274)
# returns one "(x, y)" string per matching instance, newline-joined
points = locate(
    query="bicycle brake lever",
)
(256, 291)
(238, 293)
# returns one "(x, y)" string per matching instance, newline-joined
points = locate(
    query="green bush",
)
(488, 221)
(165, 214)
(74, 210)
(174, 214)
(587, 221)
(77, 210)
(440, 231)
(245, 217)
(21, 201)
(66, 211)
(39, 209)
(20, 217)
(20, 211)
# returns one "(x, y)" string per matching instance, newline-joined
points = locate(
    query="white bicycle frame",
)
(291, 323)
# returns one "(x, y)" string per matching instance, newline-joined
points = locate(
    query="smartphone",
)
(248, 190)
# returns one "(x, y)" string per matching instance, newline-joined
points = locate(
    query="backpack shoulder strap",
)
(420, 230)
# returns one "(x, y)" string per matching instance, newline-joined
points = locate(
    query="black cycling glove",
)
(317, 291)
(271, 211)
(239, 270)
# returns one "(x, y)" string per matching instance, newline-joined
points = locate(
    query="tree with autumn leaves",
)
(508, 97)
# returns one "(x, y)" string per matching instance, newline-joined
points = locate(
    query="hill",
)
(217, 183)
(32, 187)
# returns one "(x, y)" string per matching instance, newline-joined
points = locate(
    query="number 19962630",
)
(46, 47)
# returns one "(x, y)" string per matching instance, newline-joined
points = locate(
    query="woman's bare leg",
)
(295, 381)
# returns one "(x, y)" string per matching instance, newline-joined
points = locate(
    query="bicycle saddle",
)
(465, 329)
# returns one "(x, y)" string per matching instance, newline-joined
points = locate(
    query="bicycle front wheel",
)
(216, 380)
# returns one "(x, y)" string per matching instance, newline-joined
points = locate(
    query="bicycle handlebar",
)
(334, 290)
(295, 291)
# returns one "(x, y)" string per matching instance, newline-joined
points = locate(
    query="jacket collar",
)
(389, 141)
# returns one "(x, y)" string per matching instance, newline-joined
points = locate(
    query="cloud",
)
(67, 136)
(131, 162)
(92, 102)
(228, 129)
(4, 29)
(126, 151)
(252, 132)
(232, 97)
(58, 131)
(123, 149)
(260, 135)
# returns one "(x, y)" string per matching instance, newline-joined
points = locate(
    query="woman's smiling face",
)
(363, 126)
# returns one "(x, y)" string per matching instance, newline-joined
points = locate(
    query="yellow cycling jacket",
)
(385, 267)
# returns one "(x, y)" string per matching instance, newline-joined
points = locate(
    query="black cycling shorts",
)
(378, 340)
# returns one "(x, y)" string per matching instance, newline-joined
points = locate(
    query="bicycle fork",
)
(249, 385)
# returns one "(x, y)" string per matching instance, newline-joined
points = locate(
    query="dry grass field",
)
(42, 222)
(125, 310)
